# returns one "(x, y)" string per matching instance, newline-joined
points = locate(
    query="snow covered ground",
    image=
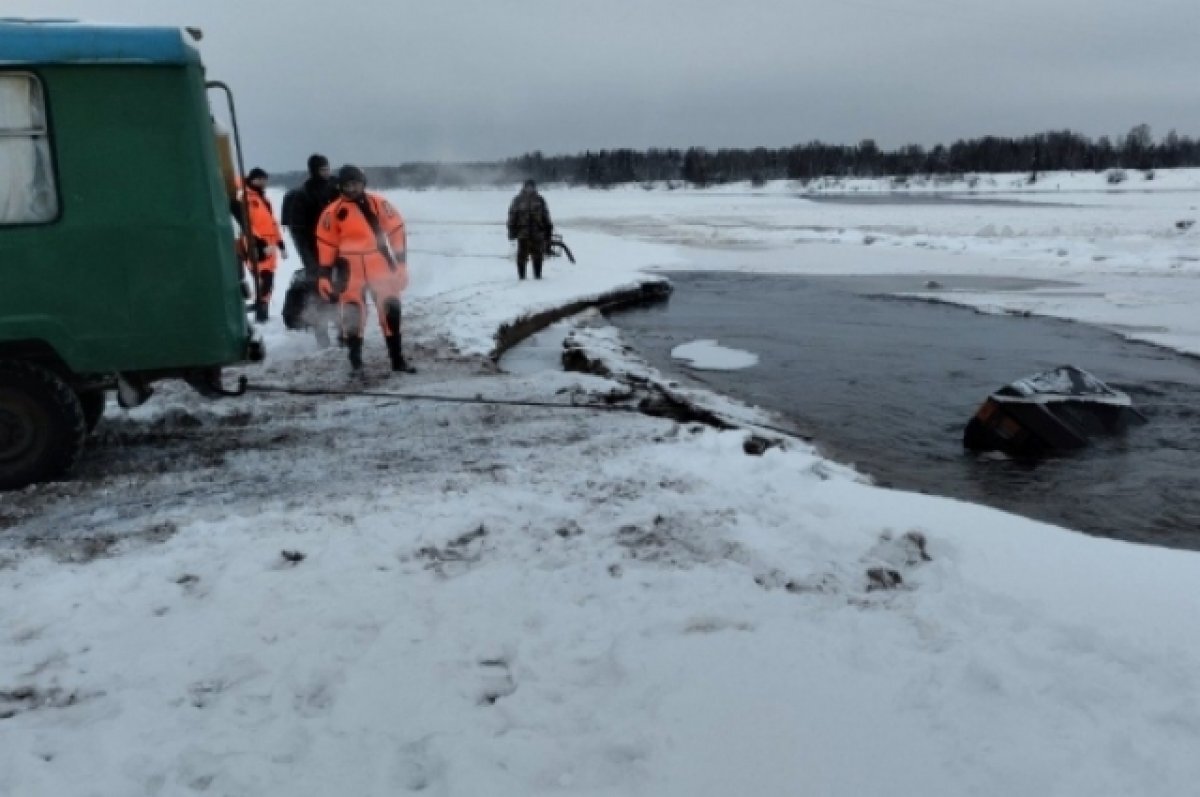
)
(293, 595)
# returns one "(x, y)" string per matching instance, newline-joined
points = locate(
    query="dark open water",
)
(888, 384)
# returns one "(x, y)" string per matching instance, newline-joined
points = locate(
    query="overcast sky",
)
(388, 81)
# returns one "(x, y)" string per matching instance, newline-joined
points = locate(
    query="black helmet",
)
(348, 173)
(255, 174)
(315, 163)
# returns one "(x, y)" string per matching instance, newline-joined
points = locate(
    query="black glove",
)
(260, 249)
(325, 284)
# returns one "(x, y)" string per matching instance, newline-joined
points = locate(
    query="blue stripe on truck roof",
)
(52, 42)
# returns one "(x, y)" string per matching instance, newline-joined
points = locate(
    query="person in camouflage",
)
(529, 225)
(302, 208)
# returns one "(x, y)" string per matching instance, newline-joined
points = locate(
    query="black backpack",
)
(295, 301)
(290, 213)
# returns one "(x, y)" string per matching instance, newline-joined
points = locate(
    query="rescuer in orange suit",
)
(362, 245)
(268, 241)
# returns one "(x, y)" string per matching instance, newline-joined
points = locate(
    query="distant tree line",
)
(1053, 151)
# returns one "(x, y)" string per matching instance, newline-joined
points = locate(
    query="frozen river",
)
(888, 385)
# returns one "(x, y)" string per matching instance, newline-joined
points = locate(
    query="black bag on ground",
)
(294, 302)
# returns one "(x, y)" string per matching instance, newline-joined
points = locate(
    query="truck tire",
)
(42, 425)
(92, 402)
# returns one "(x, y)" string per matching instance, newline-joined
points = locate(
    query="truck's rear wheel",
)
(92, 402)
(42, 425)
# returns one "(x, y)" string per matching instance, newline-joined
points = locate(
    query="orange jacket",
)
(343, 230)
(262, 218)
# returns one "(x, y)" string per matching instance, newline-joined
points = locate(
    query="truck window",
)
(27, 187)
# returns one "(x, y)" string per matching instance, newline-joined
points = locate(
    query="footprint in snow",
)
(496, 682)
(416, 768)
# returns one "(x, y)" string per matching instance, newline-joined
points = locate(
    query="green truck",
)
(118, 263)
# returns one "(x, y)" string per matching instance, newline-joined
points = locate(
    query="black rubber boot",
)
(391, 336)
(399, 364)
(351, 320)
(354, 347)
(266, 283)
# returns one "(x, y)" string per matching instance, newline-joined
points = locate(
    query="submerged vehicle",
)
(117, 246)
(1056, 410)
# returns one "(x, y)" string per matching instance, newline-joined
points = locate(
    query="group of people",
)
(353, 243)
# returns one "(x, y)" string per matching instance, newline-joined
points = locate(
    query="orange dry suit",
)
(362, 244)
(268, 241)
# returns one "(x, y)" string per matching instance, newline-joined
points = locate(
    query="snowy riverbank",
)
(300, 596)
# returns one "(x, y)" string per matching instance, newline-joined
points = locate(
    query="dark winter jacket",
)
(302, 209)
(529, 218)
(290, 210)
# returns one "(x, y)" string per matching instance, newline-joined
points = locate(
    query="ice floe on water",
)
(709, 355)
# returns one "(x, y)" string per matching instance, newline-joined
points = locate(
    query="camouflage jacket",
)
(529, 218)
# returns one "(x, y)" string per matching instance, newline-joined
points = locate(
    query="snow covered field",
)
(288, 595)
